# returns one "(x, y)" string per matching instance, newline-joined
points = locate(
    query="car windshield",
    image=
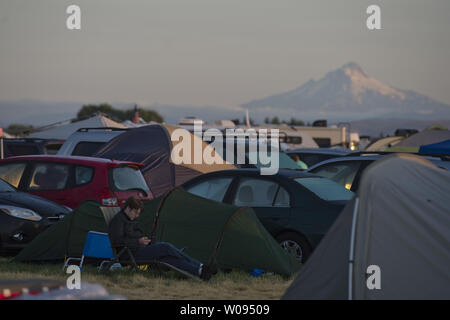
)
(325, 189)
(284, 161)
(128, 178)
(5, 187)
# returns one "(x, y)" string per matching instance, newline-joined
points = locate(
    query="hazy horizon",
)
(214, 53)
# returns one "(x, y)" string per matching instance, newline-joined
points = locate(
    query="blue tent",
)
(442, 147)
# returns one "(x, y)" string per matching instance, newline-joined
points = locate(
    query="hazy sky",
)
(214, 52)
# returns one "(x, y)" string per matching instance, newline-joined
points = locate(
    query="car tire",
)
(295, 244)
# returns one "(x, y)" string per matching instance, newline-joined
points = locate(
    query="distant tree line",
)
(90, 110)
(275, 120)
(16, 129)
(292, 122)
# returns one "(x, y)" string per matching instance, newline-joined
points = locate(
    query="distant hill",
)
(348, 93)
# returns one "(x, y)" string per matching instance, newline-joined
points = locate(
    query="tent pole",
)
(352, 250)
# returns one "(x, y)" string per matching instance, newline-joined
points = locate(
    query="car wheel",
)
(295, 244)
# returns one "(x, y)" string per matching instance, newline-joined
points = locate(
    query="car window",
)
(284, 161)
(323, 142)
(311, 159)
(325, 189)
(253, 192)
(282, 199)
(52, 148)
(213, 189)
(342, 173)
(5, 187)
(83, 175)
(85, 148)
(49, 176)
(128, 179)
(12, 173)
(21, 149)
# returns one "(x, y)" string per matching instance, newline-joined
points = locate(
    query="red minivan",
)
(70, 180)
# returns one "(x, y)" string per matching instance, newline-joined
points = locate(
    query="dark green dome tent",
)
(205, 228)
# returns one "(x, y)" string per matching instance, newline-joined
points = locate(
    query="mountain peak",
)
(353, 71)
(359, 83)
(348, 92)
(353, 66)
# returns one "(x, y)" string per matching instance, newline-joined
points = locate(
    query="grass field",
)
(159, 285)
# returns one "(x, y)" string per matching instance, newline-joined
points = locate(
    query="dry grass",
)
(160, 285)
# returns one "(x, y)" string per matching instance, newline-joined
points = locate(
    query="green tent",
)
(205, 228)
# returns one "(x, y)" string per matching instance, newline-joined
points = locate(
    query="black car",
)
(313, 156)
(347, 171)
(22, 147)
(297, 208)
(23, 216)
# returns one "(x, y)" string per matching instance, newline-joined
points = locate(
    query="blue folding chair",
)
(97, 245)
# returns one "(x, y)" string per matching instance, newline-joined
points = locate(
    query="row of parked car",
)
(295, 206)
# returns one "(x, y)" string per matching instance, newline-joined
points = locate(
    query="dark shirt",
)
(124, 232)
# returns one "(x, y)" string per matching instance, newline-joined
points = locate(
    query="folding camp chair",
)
(132, 261)
(108, 214)
(97, 245)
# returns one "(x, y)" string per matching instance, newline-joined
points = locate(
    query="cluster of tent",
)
(152, 145)
(398, 222)
(209, 231)
(396, 228)
(426, 142)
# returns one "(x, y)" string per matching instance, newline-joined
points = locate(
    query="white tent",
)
(62, 132)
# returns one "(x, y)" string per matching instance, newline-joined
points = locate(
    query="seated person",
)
(299, 162)
(124, 232)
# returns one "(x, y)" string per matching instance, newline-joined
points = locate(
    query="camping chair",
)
(97, 245)
(108, 214)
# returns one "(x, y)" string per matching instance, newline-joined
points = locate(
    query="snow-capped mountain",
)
(349, 93)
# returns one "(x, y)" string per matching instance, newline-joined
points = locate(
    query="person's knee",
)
(169, 249)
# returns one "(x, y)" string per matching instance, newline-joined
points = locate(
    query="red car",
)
(70, 180)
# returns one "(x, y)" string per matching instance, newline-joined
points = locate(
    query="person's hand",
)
(144, 241)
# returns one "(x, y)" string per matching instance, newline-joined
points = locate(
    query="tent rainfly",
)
(425, 137)
(62, 132)
(437, 148)
(391, 242)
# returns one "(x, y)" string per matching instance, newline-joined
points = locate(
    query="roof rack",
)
(102, 128)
